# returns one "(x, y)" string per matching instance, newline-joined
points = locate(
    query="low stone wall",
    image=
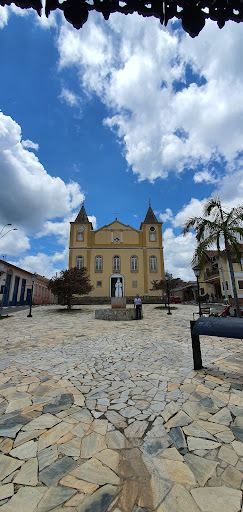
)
(116, 314)
(107, 300)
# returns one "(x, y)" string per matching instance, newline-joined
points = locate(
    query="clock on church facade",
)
(118, 253)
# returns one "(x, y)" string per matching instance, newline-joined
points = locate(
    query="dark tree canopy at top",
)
(193, 14)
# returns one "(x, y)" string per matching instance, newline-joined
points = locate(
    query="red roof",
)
(210, 254)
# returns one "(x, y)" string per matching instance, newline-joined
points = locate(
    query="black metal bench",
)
(204, 309)
(223, 327)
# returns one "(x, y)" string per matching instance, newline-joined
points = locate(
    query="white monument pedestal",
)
(117, 311)
(118, 302)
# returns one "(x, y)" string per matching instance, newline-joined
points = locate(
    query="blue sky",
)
(115, 114)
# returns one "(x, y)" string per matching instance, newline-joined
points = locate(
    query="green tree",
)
(169, 283)
(218, 227)
(71, 282)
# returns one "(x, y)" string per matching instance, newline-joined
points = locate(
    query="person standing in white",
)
(138, 306)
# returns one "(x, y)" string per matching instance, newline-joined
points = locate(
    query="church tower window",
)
(80, 234)
(152, 234)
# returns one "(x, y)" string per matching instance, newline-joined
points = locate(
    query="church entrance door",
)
(113, 280)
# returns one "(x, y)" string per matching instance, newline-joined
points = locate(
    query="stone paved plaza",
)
(102, 416)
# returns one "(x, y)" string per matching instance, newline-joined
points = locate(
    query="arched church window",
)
(153, 263)
(134, 263)
(79, 262)
(98, 263)
(116, 263)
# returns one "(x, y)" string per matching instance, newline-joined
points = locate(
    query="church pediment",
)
(116, 225)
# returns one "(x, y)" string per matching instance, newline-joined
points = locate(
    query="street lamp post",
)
(33, 278)
(4, 227)
(13, 229)
(167, 278)
(197, 273)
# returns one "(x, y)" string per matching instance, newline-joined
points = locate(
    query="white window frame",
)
(153, 236)
(116, 262)
(134, 263)
(153, 263)
(98, 263)
(79, 262)
(80, 237)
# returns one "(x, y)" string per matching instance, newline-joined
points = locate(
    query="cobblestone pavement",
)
(102, 416)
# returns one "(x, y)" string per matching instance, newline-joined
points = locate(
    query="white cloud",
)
(28, 144)
(41, 263)
(7, 10)
(193, 209)
(178, 251)
(167, 216)
(231, 188)
(168, 119)
(93, 219)
(76, 197)
(61, 256)
(47, 23)
(34, 202)
(61, 229)
(14, 9)
(4, 14)
(42, 21)
(90, 47)
(206, 176)
(230, 191)
(13, 242)
(213, 62)
(29, 196)
(143, 73)
(69, 97)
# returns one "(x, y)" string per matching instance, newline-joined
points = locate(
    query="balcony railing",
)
(211, 273)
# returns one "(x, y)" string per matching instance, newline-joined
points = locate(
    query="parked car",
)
(175, 300)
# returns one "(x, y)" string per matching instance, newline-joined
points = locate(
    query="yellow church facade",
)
(118, 253)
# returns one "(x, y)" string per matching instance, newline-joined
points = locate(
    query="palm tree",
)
(217, 226)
